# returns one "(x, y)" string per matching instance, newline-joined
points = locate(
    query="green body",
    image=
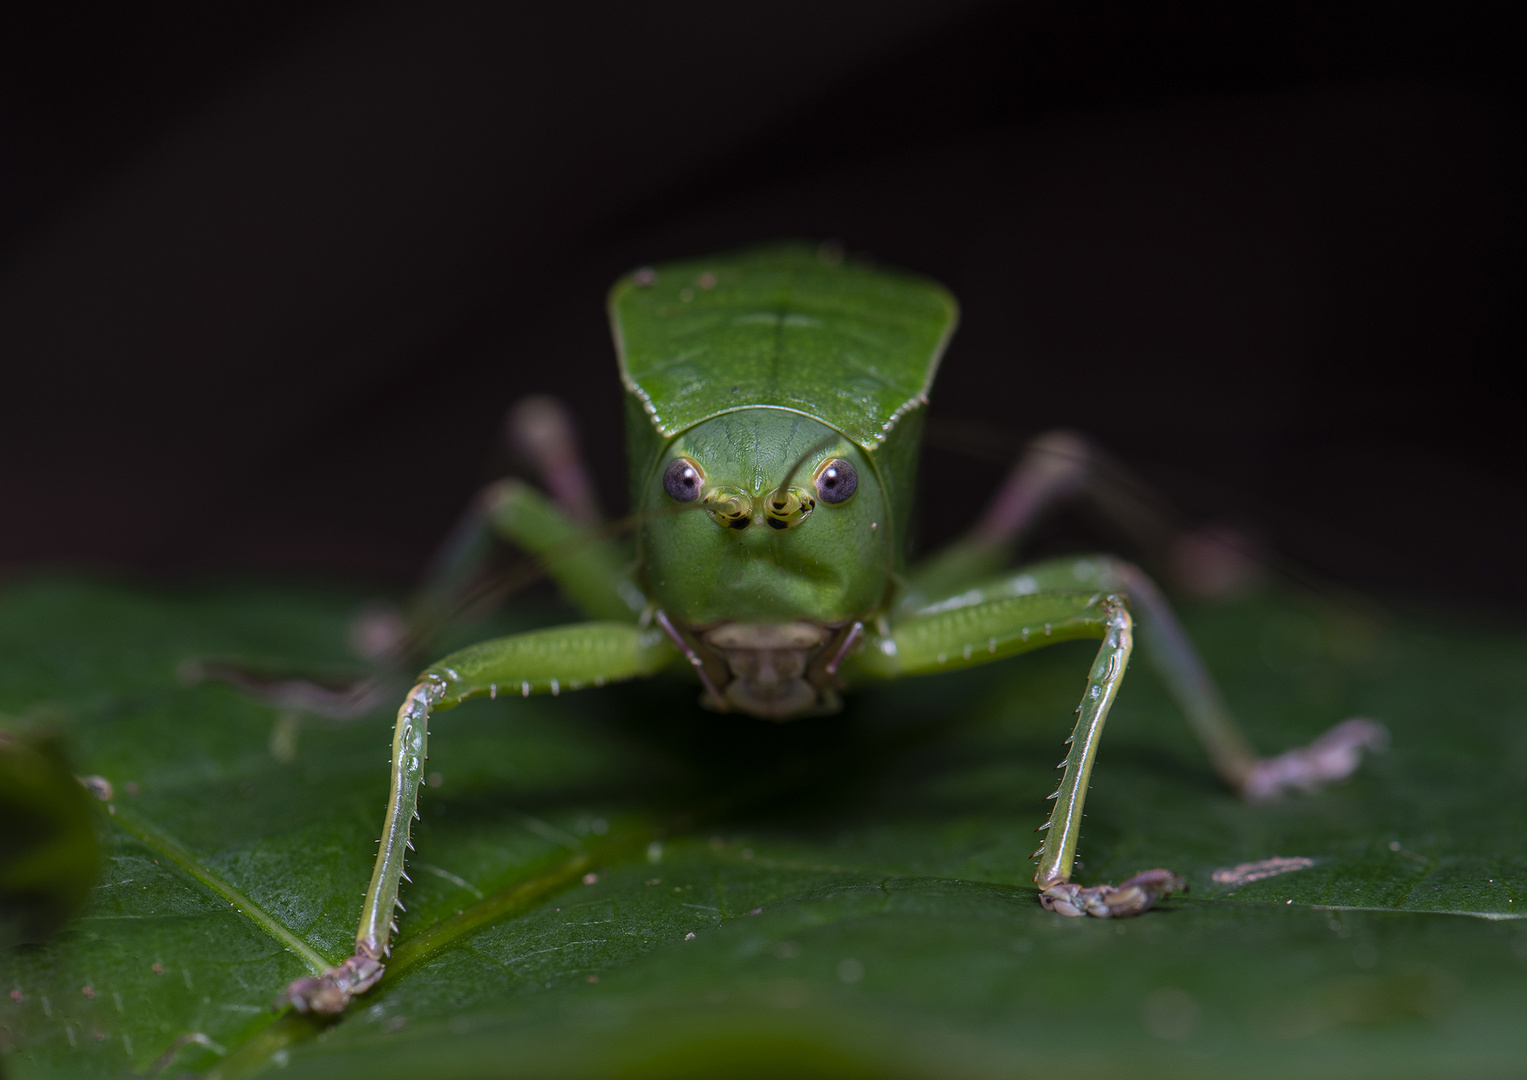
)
(759, 368)
(761, 387)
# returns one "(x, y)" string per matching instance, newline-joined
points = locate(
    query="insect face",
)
(795, 523)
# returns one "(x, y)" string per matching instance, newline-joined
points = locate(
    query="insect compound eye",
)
(682, 480)
(837, 481)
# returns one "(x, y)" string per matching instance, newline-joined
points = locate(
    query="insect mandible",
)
(774, 409)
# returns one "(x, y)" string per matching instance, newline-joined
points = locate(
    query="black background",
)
(270, 273)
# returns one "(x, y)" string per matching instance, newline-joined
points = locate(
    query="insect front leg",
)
(975, 629)
(542, 661)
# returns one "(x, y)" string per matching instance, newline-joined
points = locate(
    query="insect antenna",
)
(777, 496)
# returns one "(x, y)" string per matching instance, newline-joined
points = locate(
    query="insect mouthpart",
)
(787, 508)
(729, 507)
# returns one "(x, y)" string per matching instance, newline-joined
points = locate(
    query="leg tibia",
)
(330, 992)
(1063, 830)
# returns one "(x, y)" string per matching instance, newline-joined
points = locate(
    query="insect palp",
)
(785, 508)
(694, 659)
(729, 507)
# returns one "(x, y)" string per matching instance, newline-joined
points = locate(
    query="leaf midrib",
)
(156, 838)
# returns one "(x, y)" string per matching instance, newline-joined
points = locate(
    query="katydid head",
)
(794, 523)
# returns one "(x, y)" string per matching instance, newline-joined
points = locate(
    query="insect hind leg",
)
(541, 429)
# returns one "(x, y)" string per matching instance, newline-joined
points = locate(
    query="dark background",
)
(270, 273)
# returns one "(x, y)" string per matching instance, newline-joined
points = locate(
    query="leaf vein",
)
(171, 849)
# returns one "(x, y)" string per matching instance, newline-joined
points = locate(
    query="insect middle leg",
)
(1333, 756)
(1062, 464)
(1057, 467)
(588, 565)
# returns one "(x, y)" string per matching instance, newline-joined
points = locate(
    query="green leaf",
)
(857, 887)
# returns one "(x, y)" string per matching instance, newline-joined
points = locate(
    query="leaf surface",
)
(857, 888)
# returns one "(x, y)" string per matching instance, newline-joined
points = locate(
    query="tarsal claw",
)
(1131, 897)
(329, 993)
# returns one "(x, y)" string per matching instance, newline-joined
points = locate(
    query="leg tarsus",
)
(1333, 756)
(329, 993)
(1138, 894)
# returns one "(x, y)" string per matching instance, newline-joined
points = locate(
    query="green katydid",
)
(775, 403)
